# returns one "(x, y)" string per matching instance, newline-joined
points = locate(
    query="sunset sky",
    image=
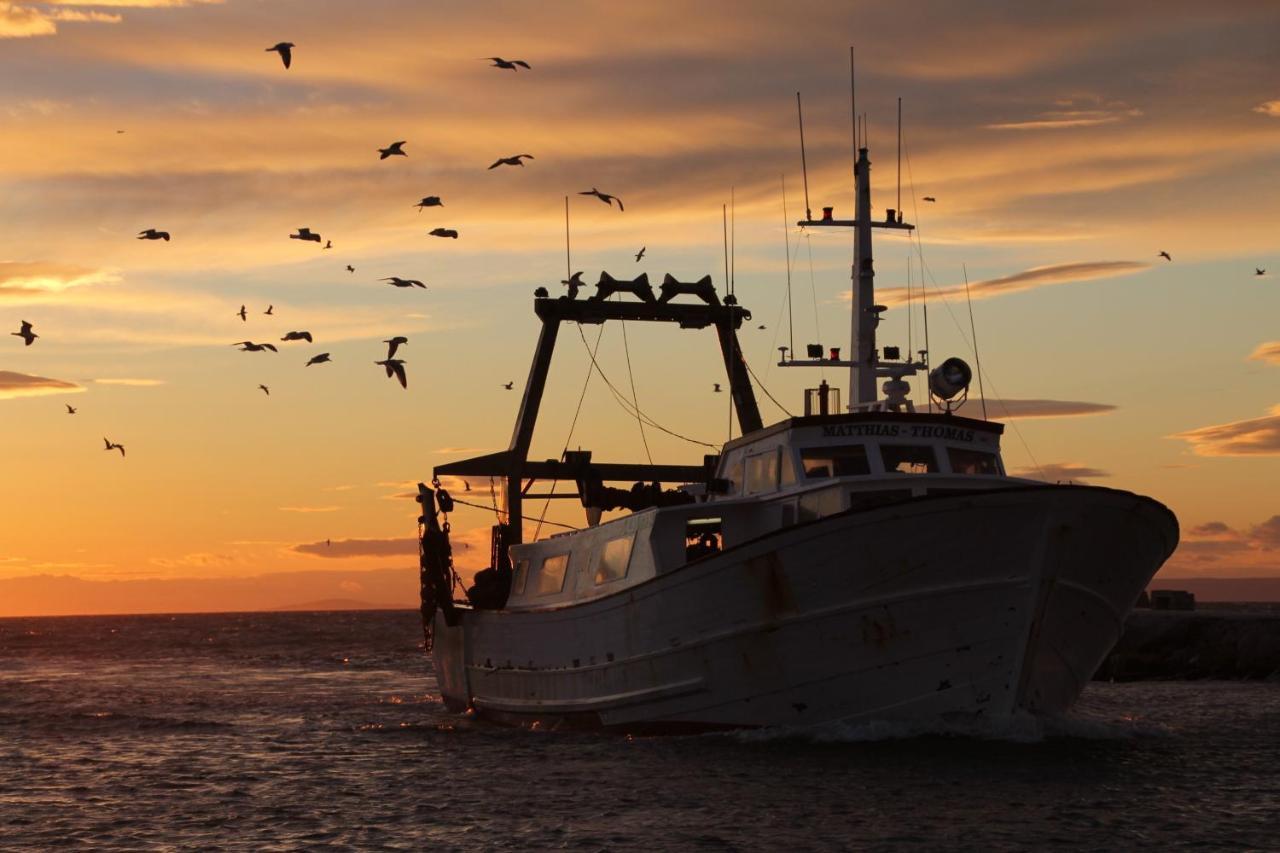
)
(1065, 148)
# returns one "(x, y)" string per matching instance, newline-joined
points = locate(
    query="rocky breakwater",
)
(1209, 643)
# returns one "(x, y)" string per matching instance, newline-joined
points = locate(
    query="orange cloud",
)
(305, 509)
(1061, 472)
(14, 384)
(342, 548)
(1025, 280)
(1269, 108)
(26, 279)
(27, 21)
(1253, 437)
(1250, 548)
(1269, 352)
(1012, 409)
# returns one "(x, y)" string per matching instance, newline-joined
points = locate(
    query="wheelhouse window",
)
(702, 538)
(615, 557)
(521, 577)
(551, 575)
(822, 462)
(762, 472)
(965, 461)
(908, 459)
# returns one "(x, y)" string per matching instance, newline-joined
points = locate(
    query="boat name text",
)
(898, 431)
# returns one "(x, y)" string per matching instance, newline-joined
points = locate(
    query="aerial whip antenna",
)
(977, 359)
(568, 264)
(804, 166)
(899, 154)
(786, 242)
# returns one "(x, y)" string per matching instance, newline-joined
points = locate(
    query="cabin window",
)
(702, 538)
(521, 577)
(551, 577)
(614, 559)
(820, 462)
(734, 475)
(908, 459)
(819, 504)
(762, 472)
(965, 461)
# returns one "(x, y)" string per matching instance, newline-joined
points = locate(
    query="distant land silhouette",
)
(64, 595)
(370, 589)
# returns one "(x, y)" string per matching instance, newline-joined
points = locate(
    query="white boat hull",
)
(978, 605)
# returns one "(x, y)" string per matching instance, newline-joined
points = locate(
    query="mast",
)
(862, 374)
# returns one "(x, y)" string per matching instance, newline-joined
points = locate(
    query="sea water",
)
(324, 731)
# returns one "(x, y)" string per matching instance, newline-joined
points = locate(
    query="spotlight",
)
(950, 378)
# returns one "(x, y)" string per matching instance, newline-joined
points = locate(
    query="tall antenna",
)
(974, 331)
(786, 241)
(568, 264)
(899, 154)
(733, 240)
(804, 166)
(853, 108)
(724, 216)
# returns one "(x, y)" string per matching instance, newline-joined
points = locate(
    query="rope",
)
(766, 390)
(546, 505)
(634, 399)
(522, 518)
(634, 410)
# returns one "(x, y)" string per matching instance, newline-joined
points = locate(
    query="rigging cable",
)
(634, 399)
(923, 270)
(621, 399)
(522, 518)
(586, 381)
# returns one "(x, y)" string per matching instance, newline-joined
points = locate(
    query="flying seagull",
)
(271, 310)
(285, 49)
(328, 244)
(717, 387)
(509, 386)
(394, 344)
(153, 234)
(71, 410)
(350, 268)
(395, 367)
(604, 197)
(574, 283)
(265, 390)
(111, 445)
(639, 254)
(305, 234)
(392, 150)
(514, 160)
(250, 346)
(1259, 271)
(444, 232)
(929, 198)
(243, 315)
(318, 359)
(297, 336)
(25, 333)
(1164, 255)
(429, 201)
(396, 281)
(499, 62)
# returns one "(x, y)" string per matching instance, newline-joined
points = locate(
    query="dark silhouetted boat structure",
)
(868, 562)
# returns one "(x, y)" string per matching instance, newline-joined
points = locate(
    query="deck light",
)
(950, 378)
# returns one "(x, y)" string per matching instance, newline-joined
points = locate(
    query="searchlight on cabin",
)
(950, 378)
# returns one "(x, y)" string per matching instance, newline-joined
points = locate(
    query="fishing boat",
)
(854, 563)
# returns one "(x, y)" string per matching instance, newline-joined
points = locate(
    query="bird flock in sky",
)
(393, 367)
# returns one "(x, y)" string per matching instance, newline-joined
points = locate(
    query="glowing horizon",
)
(1064, 154)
